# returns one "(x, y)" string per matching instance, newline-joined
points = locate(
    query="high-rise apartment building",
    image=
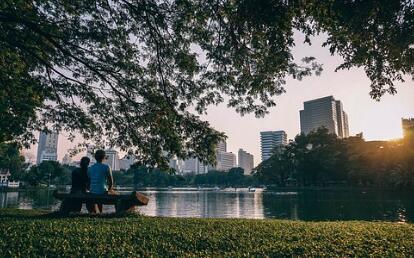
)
(112, 159)
(222, 146)
(226, 161)
(246, 161)
(339, 118)
(407, 126)
(90, 153)
(346, 125)
(177, 164)
(324, 112)
(270, 141)
(47, 147)
(194, 165)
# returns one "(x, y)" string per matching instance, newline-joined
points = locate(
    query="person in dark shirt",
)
(80, 182)
(80, 179)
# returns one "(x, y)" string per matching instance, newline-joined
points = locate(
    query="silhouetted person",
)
(80, 179)
(80, 182)
(100, 176)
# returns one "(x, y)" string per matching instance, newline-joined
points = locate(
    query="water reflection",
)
(305, 205)
(204, 204)
(326, 205)
(40, 199)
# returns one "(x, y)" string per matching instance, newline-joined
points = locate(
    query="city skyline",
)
(377, 120)
(244, 159)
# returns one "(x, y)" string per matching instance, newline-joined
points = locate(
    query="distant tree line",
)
(52, 172)
(143, 176)
(322, 159)
(43, 174)
(11, 160)
(317, 159)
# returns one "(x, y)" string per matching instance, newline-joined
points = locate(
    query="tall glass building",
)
(246, 161)
(324, 112)
(47, 147)
(270, 141)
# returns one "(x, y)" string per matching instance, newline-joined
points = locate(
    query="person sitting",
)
(80, 179)
(100, 175)
(80, 182)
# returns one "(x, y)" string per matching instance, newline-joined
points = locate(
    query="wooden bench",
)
(122, 202)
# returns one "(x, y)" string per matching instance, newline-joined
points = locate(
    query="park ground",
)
(38, 233)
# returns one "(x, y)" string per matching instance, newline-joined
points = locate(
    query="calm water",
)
(302, 205)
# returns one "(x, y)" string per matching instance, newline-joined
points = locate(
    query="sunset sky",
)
(377, 120)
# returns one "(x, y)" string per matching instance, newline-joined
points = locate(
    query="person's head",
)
(100, 155)
(84, 162)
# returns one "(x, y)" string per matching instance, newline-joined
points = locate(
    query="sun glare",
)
(384, 129)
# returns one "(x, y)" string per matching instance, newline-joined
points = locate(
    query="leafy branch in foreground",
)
(129, 74)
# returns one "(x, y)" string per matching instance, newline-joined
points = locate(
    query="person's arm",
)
(110, 179)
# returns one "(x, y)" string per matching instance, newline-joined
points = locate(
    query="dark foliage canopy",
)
(130, 74)
(45, 173)
(11, 160)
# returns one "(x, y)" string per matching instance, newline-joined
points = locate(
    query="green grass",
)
(36, 233)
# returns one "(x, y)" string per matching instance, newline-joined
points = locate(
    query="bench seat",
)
(122, 202)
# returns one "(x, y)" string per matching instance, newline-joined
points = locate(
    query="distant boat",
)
(12, 184)
(170, 188)
(216, 188)
(251, 189)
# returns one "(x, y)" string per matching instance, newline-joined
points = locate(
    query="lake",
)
(230, 203)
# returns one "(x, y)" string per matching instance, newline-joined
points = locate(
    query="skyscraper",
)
(113, 159)
(226, 161)
(346, 125)
(407, 126)
(324, 112)
(194, 165)
(47, 147)
(340, 118)
(270, 141)
(222, 146)
(177, 165)
(90, 153)
(246, 161)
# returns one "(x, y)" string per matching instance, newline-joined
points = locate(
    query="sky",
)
(377, 120)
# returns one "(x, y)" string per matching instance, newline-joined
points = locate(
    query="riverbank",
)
(36, 233)
(269, 188)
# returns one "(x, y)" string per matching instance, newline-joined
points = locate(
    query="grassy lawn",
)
(36, 233)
